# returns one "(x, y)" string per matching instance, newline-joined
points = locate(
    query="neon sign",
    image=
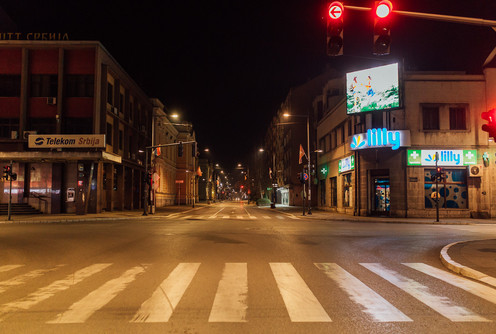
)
(378, 138)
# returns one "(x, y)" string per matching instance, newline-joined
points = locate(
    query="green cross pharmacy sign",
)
(445, 157)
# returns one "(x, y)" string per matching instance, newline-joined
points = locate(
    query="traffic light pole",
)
(437, 190)
(10, 193)
(437, 17)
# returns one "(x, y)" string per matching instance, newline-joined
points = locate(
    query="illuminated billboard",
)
(372, 89)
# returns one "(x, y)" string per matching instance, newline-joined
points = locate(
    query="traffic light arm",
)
(437, 17)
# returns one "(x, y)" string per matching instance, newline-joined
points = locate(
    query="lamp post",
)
(309, 196)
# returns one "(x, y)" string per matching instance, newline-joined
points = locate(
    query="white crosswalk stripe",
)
(440, 304)
(230, 302)
(478, 289)
(301, 303)
(159, 307)
(22, 279)
(9, 267)
(376, 306)
(80, 311)
(50, 290)
(232, 299)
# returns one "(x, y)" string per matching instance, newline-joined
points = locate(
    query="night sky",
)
(226, 66)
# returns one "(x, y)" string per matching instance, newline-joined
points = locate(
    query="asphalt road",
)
(232, 268)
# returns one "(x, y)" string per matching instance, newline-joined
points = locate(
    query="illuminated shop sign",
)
(323, 171)
(446, 157)
(34, 36)
(66, 141)
(377, 138)
(346, 164)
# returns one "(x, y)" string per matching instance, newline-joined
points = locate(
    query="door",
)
(381, 202)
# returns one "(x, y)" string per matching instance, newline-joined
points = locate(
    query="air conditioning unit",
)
(25, 134)
(51, 101)
(475, 170)
(115, 110)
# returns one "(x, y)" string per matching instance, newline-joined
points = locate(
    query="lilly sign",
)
(378, 138)
(446, 157)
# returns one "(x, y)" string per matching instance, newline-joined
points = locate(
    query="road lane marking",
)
(440, 304)
(475, 288)
(215, 214)
(265, 217)
(22, 279)
(50, 290)
(239, 217)
(230, 301)
(81, 310)
(301, 303)
(280, 217)
(159, 307)
(374, 305)
(10, 267)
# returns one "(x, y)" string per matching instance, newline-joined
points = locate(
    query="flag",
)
(156, 151)
(302, 154)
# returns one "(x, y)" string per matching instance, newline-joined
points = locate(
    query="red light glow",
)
(383, 9)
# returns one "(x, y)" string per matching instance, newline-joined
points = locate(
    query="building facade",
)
(384, 162)
(55, 91)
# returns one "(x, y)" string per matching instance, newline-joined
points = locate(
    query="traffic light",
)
(490, 127)
(6, 172)
(335, 29)
(180, 150)
(382, 27)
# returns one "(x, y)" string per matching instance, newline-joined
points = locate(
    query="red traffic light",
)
(336, 9)
(489, 115)
(383, 9)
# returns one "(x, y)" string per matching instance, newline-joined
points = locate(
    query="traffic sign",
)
(335, 10)
(305, 176)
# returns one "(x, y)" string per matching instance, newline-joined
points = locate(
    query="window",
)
(10, 85)
(44, 85)
(43, 125)
(430, 118)
(110, 94)
(121, 103)
(121, 139)
(347, 190)
(322, 192)
(457, 118)
(452, 195)
(334, 191)
(333, 139)
(108, 137)
(7, 125)
(79, 86)
(73, 125)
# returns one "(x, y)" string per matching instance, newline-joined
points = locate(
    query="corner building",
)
(363, 172)
(69, 89)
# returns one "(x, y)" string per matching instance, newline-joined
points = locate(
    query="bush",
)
(263, 202)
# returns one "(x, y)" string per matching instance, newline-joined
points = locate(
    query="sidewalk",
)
(104, 216)
(326, 215)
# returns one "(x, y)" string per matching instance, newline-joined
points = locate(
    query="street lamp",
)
(307, 198)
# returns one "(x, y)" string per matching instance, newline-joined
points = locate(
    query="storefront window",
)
(347, 190)
(452, 194)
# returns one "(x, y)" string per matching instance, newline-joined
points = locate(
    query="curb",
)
(464, 270)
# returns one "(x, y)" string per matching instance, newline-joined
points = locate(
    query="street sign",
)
(335, 10)
(305, 176)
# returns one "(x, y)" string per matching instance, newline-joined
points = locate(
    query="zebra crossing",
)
(231, 302)
(230, 217)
